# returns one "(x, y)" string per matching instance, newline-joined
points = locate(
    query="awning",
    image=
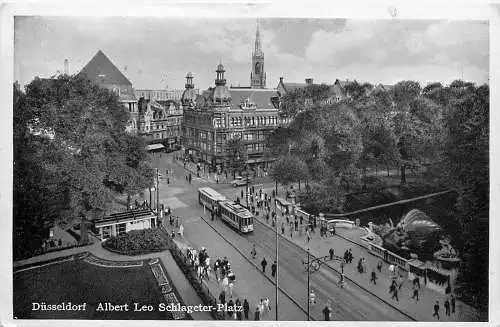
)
(154, 147)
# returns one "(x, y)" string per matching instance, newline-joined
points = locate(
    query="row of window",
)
(253, 121)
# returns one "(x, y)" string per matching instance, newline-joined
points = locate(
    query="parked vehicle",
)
(241, 181)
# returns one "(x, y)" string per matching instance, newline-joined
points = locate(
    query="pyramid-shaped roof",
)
(102, 71)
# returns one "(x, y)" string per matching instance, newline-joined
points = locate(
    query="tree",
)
(356, 90)
(379, 143)
(466, 154)
(288, 169)
(405, 92)
(84, 160)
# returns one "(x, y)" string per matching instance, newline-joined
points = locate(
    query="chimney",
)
(66, 67)
(309, 81)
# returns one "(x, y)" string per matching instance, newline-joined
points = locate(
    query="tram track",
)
(256, 266)
(360, 287)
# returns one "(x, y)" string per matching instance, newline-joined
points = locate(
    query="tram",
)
(236, 216)
(209, 198)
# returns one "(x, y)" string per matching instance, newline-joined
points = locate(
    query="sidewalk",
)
(421, 310)
(216, 287)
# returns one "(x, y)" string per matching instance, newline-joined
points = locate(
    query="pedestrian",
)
(350, 256)
(231, 288)
(415, 293)
(273, 268)
(327, 311)
(230, 304)
(253, 252)
(181, 231)
(257, 314)
(346, 256)
(222, 297)
(379, 266)
(238, 313)
(395, 294)
(282, 228)
(447, 307)
(374, 277)
(242, 194)
(360, 265)
(436, 310)
(225, 284)
(263, 264)
(312, 297)
(332, 253)
(416, 282)
(452, 304)
(392, 288)
(246, 308)
(308, 236)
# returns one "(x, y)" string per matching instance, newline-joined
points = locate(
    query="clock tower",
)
(258, 75)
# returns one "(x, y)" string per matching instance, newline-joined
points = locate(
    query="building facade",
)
(160, 122)
(221, 114)
(161, 95)
(156, 115)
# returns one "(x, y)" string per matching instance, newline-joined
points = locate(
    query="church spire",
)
(258, 75)
(258, 49)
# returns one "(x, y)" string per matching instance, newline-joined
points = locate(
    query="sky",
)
(158, 52)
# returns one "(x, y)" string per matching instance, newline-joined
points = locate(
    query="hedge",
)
(137, 242)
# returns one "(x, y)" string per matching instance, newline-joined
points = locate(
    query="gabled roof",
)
(260, 97)
(336, 90)
(341, 83)
(102, 71)
(290, 87)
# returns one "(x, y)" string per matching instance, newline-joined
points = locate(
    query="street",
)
(349, 303)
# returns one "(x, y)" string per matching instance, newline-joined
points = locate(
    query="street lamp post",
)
(313, 266)
(157, 198)
(277, 268)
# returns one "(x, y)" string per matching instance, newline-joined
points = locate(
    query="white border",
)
(377, 9)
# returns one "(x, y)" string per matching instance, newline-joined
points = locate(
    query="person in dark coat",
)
(332, 253)
(436, 310)
(246, 308)
(263, 264)
(447, 307)
(273, 269)
(257, 314)
(326, 313)
(222, 297)
(395, 294)
(346, 256)
(230, 304)
(452, 304)
(374, 277)
(415, 293)
(239, 314)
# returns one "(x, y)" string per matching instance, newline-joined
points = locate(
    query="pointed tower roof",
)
(258, 47)
(102, 71)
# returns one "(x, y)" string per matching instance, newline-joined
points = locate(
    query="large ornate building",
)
(221, 114)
